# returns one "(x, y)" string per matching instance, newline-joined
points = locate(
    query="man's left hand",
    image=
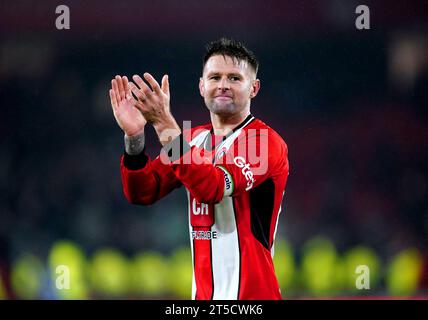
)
(153, 102)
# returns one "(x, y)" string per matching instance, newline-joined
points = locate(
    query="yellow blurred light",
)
(285, 267)
(109, 272)
(68, 254)
(180, 273)
(320, 264)
(361, 256)
(78, 291)
(2, 290)
(67, 259)
(26, 276)
(149, 274)
(404, 272)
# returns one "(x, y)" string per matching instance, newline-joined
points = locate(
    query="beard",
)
(222, 108)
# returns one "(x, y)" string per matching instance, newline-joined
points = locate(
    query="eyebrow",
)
(233, 74)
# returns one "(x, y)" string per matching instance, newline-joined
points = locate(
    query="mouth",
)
(223, 98)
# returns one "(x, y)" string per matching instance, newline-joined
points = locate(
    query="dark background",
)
(351, 105)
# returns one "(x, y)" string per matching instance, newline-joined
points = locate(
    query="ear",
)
(255, 87)
(201, 86)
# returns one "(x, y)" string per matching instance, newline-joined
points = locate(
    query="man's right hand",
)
(128, 117)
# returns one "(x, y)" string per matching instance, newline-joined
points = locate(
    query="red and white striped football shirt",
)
(235, 185)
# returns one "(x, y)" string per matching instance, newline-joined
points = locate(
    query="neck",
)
(222, 125)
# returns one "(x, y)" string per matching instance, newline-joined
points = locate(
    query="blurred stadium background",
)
(351, 104)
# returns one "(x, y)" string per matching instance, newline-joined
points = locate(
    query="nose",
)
(223, 84)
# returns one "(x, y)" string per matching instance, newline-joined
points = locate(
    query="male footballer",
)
(234, 169)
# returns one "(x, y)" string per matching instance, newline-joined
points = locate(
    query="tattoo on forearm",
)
(134, 145)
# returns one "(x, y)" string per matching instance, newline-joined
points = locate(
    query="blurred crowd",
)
(354, 118)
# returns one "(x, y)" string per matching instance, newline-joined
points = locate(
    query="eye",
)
(234, 78)
(214, 78)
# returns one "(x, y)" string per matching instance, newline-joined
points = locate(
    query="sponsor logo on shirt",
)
(204, 235)
(201, 214)
(248, 174)
(199, 208)
(227, 182)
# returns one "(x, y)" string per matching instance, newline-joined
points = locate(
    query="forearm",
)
(134, 145)
(135, 157)
(167, 130)
(203, 180)
(146, 185)
(144, 180)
